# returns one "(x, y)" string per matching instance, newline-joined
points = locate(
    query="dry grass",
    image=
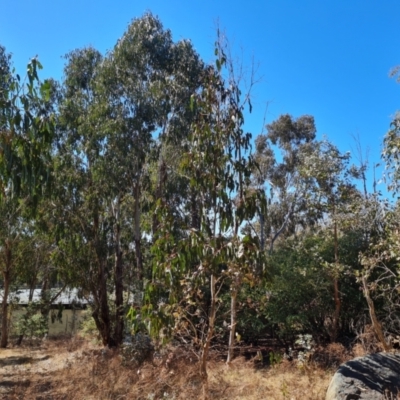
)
(79, 371)
(284, 381)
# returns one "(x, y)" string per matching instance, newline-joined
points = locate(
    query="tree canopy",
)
(134, 180)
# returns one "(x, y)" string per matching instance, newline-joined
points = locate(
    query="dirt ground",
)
(34, 368)
(78, 370)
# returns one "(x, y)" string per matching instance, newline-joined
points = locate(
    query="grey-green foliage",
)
(5, 72)
(304, 178)
(112, 109)
(148, 80)
(380, 274)
(279, 155)
(191, 269)
(391, 154)
(84, 228)
(391, 146)
(26, 134)
(26, 138)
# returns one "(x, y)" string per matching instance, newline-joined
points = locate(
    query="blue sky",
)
(327, 58)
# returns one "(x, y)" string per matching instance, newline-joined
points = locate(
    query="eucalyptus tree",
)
(5, 74)
(112, 111)
(391, 154)
(379, 278)
(132, 76)
(26, 133)
(80, 220)
(171, 186)
(334, 197)
(218, 166)
(146, 81)
(279, 156)
(310, 185)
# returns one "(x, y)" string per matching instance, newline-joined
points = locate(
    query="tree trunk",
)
(336, 293)
(336, 317)
(4, 308)
(45, 296)
(232, 333)
(162, 178)
(138, 236)
(283, 226)
(374, 319)
(209, 336)
(104, 309)
(119, 289)
(101, 313)
(262, 234)
(195, 218)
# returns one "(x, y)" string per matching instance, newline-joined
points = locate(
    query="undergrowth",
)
(94, 373)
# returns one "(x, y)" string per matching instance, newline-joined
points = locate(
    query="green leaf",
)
(45, 90)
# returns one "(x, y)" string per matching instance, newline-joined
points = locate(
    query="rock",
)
(372, 377)
(136, 350)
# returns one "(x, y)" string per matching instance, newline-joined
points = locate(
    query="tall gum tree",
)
(332, 196)
(146, 81)
(192, 269)
(26, 134)
(83, 225)
(278, 155)
(113, 109)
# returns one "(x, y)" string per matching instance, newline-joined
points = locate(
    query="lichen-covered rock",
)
(372, 377)
(137, 349)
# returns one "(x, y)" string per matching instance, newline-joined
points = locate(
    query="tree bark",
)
(283, 226)
(336, 292)
(195, 218)
(118, 281)
(374, 319)
(138, 236)
(4, 307)
(209, 336)
(262, 234)
(101, 313)
(162, 178)
(232, 333)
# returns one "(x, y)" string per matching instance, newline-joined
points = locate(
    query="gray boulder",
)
(136, 350)
(372, 377)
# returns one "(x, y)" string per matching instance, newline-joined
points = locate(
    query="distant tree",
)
(333, 195)
(280, 177)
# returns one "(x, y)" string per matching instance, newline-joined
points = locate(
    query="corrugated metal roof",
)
(67, 296)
